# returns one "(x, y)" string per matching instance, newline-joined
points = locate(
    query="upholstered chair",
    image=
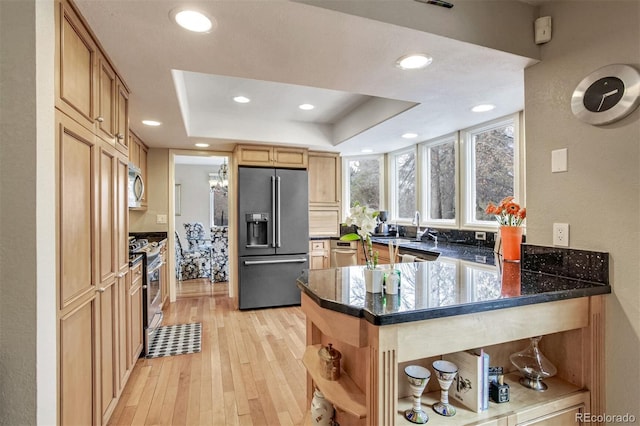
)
(220, 253)
(192, 264)
(196, 236)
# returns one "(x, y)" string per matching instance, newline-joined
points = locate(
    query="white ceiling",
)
(281, 54)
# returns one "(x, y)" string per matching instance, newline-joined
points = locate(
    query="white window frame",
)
(467, 172)
(346, 184)
(425, 205)
(393, 194)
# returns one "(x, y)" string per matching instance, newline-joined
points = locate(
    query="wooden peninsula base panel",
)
(372, 389)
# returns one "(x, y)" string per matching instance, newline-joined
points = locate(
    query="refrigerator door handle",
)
(278, 242)
(269, 262)
(273, 211)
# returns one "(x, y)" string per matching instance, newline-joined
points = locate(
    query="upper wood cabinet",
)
(88, 89)
(138, 157)
(271, 156)
(324, 179)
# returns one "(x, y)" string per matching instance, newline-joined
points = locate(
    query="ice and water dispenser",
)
(257, 226)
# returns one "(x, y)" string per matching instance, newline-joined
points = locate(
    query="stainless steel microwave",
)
(136, 186)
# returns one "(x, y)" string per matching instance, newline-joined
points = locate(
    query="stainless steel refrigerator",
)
(273, 209)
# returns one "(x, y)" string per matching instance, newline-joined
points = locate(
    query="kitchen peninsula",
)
(451, 305)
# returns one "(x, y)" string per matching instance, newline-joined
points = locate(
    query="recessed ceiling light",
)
(410, 135)
(242, 99)
(414, 61)
(306, 107)
(151, 123)
(367, 151)
(202, 145)
(483, 108)
(193, 20)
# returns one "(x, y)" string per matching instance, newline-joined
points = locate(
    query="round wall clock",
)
(606, 95)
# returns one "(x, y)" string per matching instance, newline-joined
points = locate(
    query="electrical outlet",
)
(561, 234)
(481, 235)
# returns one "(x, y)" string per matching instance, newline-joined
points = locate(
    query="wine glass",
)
(445, 373)
(418, 378)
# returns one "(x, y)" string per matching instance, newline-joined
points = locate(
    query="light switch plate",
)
(559, 160)
(161, 218)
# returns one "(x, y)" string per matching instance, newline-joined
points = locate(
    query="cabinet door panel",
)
(77, 366)
(76, 65)
(122, 118)
(107, 216)
(324, 171)
(106, 120)
(134, 310)
(109, 347)
(76, 153)
(122, 214)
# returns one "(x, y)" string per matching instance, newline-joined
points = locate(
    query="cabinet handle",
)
(102, 289)
(100, 119)
(120, 136)
(121, 275)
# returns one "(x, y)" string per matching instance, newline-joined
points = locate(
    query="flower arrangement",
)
(364, 218)
(507, 213)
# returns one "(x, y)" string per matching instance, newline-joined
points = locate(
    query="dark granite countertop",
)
(448, 286)
(429, 248)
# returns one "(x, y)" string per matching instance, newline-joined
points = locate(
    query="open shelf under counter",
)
(525, 405)
(343, 393)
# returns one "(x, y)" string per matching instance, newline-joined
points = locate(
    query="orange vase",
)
(511, 237)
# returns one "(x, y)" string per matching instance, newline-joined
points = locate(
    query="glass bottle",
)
(533, 365)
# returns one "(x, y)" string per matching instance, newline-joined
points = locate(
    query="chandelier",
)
(219, 182)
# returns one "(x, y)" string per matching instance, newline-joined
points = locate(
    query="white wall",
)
(27, 214)
(599, 196)
(194, 181)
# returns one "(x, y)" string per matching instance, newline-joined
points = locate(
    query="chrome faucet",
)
(416, 221)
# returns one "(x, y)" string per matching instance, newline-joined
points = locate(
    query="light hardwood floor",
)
(249, 372)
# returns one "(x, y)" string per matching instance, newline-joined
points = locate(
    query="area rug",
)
(177, 339)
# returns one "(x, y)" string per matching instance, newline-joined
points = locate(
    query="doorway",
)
(199, 222)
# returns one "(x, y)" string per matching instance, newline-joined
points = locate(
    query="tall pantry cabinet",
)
(92, 224)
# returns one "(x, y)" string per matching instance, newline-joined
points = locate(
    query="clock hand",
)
(613, 92)
(602, 101)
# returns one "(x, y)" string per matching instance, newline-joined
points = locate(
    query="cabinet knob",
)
(100, 119)
(120, 136)
(102, 289)
(121, 275)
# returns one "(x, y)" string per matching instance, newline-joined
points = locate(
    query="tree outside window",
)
(364, 182)
(405, 181)
(493, 151)
(441, 180)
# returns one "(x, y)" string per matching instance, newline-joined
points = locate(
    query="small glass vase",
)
(533, 365)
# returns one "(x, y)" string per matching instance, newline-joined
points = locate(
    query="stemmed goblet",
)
(418, 378)
(445, 373)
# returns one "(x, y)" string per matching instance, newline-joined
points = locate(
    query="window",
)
(403, 166)
(491, 164)
(439, 180)
(364, 182)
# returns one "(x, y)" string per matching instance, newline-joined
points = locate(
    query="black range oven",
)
(152, 262)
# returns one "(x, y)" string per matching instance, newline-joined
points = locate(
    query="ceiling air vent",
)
(437, 3)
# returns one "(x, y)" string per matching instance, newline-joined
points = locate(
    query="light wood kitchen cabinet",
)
(122, 117)
(319, 254)
(372, 388)
(138, 157)
(106, 101)
(77, 152)
(76, 71)
(324, 179)
(134, 315)
(324, 222)
(325, 189)
(91, 109)
(271, 156)
(164, 277)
